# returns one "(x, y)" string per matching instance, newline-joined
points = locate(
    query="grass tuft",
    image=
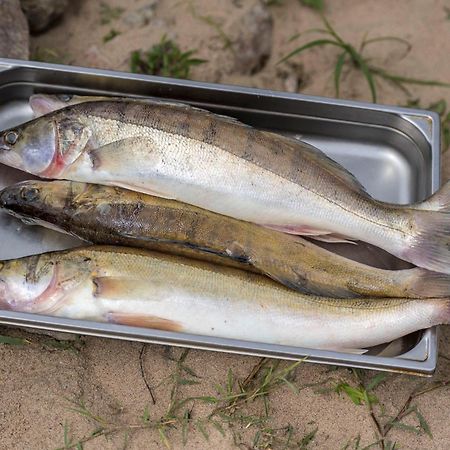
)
(228, 410)
(164, 59)
(110, 35)
(13, 340)
(355, 58)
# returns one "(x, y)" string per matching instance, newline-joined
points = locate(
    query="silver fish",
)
(140, 288)
(217, 163)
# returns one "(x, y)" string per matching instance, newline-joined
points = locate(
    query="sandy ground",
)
(40, 379)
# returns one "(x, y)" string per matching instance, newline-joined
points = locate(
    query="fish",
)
(141, 288)
(217, 163)
(106, 215)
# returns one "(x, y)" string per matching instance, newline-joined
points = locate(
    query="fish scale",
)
(216, 163)
(110, 215)
(141, 288)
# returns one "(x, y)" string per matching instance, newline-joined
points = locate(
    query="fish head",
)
(38, 284)
(38, 201)
(42, 104)
(44, 146)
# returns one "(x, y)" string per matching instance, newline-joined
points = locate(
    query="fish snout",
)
(16, 195)
(9, 197)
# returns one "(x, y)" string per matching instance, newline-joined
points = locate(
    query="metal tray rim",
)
(425, 367)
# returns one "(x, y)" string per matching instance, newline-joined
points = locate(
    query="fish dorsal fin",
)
(323, 160)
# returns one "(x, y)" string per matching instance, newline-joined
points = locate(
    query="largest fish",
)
(135, 287)
(217, 163)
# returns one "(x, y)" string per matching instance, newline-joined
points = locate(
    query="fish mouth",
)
(4, 147)
(8, 198)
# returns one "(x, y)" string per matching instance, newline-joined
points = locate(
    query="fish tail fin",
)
(439, 201)
(443, 315)
(423, 283)
(429, 247)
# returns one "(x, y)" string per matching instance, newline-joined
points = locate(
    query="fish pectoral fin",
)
(144, 320)
(114, 157)
(145, 189)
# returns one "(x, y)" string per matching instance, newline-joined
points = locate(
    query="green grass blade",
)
(375, 381)
(387, 38)
(332, 31)
(185, 426)
(440, 107)
(13, 341)
(366, 71)
(408, 80)
(423, 423)
(314, 4)
(316, 43)
(164, 439)
(202, 430)
(218, 427)
(338, 71)
(405, 427)
(307, 439)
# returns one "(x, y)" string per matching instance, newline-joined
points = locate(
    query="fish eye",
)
(29, 194)
(65, 97)
(10, 137)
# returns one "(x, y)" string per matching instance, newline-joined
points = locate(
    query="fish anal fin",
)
(144, 321)
(314, 233)
(334, 238)
(303, 230)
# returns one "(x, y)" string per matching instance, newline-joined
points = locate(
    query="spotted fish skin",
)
(217, 163)
(115, 216)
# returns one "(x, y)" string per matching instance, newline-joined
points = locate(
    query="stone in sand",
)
(14, 39)
(42, 13)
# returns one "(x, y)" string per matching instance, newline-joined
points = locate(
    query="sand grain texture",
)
(36, 379)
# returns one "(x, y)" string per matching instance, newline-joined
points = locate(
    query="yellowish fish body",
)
(113, 216)
(147, 289)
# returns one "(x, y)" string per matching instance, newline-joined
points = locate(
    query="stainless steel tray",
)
(395, 153)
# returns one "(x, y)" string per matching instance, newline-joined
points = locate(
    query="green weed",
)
(109, 13)
(69, 345)
(318, 5)
(164, 59)
(13, 340)
(228, 410)
(110, 35)
(50, 55)
(363, 394)
(355, 57)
